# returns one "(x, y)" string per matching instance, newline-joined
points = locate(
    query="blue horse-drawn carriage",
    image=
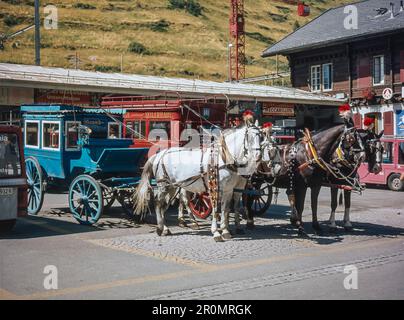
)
(79, 149)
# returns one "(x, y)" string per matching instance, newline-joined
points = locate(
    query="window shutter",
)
(402, 66)
(388, 118)
(357, 118)
(364, 78)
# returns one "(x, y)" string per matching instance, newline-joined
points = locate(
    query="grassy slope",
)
(192, 46)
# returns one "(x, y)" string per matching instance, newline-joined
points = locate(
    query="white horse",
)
(239, 155)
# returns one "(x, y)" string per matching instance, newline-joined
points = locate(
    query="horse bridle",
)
(246, 148)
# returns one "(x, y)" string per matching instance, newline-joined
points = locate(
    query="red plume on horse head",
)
(267, 125)
(368, 121)
(345, 111)
(248, 116)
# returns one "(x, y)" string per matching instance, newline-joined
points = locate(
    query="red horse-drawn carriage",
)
(160, 124)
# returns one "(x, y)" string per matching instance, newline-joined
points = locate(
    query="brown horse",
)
(304, 165)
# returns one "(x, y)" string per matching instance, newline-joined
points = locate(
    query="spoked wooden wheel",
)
(109, 197)
(259, 203)
(86, 200)
(35, 185)
(125, 198)
(200, 205)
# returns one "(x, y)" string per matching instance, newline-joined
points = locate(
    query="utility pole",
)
(37, 34)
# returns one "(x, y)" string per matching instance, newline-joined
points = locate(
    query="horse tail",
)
(341, 198)
(141, 195)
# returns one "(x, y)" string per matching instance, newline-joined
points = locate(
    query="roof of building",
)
(374, 18)
(118, 83)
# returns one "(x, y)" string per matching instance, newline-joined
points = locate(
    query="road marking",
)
(150, 254)
(7, 295)
(207, 269)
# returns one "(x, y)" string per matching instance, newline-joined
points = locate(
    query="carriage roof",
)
(62, 109)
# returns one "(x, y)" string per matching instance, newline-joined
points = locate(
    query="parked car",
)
(13, 182)
(393, 166)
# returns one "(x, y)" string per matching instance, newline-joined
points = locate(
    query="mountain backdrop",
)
(180, 38)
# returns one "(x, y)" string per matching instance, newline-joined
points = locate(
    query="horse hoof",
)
(226, 236)
(333, 229)
(167, 232)
(302, 233)
(240, 231)
(218, 239)
(195, 226)
(182, 224)
(317, 228)
(250, 226)
(294, 222)
(159, 232)
(348, 228)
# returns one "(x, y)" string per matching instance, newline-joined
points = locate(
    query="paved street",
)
(118, 260)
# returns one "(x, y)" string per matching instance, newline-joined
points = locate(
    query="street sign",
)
(387, 94)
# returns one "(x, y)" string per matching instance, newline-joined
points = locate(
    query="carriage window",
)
(161, 125)
(72, 135)
(135, 130)
(50, 132)
(401, 153)
(32, 134)
(114, 131)
(388, 152)
(10, 164)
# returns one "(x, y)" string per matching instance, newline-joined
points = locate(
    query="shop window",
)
(50, 135)
(72, 135)
(32, 134)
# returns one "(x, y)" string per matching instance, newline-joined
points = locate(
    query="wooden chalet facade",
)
(357, 65)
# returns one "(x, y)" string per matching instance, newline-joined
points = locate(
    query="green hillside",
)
(156, 37)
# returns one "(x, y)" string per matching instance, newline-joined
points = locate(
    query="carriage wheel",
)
(35, 185)
(125, 198)
(86, 200)
(200, 205)
(109, 197)
(259, 204)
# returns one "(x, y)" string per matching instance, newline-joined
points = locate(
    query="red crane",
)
(237, 41)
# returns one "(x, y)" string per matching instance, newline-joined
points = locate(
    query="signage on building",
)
(387, 94)
(278, 109)
(400, 123)
(16, 96)
(63, 97)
